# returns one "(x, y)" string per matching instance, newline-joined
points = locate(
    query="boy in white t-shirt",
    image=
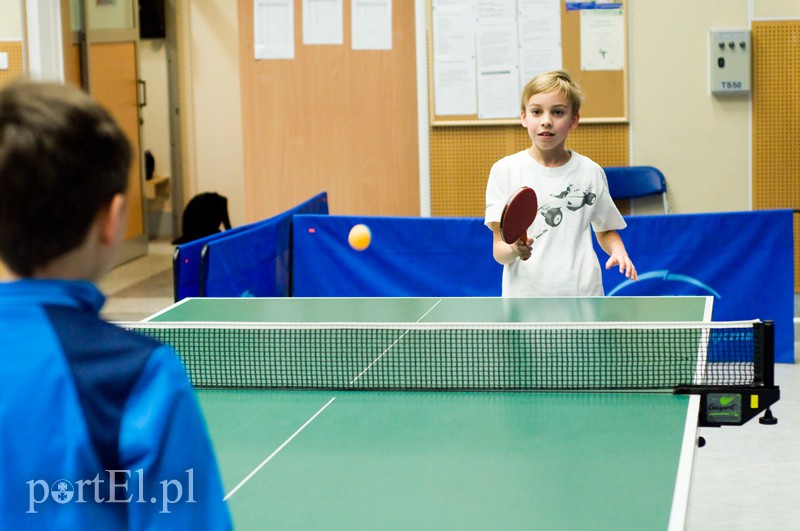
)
(558, 257)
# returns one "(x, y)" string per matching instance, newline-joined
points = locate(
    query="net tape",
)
(458, 356)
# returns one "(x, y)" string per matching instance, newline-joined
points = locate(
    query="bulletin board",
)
(463, 148)
(606, 90)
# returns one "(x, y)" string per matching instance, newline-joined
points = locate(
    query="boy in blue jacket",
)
(99, 427)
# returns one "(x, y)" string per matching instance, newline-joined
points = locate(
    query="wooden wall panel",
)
(333, 119)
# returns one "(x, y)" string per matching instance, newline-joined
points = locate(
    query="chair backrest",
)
(630, 182)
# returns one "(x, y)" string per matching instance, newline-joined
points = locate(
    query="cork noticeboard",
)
(13, 51)
(607, 100)
(463, 148)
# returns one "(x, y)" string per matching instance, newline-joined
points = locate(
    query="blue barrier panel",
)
(186, 263)
(408, 257)
(255, 262)
(246, 264)
(745, 260)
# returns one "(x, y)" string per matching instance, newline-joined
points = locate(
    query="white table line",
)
(273, 454)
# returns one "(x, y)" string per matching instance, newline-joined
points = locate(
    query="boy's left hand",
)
(625, 265)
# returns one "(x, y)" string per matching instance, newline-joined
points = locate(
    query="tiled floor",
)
(140, 287)
(745, 478)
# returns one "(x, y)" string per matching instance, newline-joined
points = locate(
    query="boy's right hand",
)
(523, 248)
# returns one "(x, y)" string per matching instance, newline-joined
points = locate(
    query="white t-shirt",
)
(572, 198)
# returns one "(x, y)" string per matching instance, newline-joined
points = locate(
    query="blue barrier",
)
(255, 262)
(408, 257)
(745, 260)
(187, 261)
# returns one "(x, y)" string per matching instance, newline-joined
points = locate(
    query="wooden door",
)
(105, 37)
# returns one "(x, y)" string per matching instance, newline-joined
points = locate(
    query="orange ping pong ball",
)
(359, 237)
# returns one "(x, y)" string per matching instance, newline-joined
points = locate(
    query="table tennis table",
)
(411, 459)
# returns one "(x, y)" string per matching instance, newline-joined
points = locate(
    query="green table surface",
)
(460, 310)
(421, 460)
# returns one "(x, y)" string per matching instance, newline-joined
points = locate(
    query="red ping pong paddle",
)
(518, 215)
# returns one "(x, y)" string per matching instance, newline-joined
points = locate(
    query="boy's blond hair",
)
(556, 80)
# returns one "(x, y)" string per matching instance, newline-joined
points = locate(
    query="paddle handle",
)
(524, 238)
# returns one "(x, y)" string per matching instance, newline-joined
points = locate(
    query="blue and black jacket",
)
(98, 426)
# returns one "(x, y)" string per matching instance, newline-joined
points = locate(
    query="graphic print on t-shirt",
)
(569, 200)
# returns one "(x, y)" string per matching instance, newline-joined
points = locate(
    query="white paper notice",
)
(274, 29)
(497, 33)
(497, 55)
(602, 39)
(371, 24)
(539, 37)
(498, 94)
(323, 22)
(454, 80)
(454, 30)
(497, 45)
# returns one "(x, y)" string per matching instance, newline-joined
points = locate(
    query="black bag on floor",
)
(203, 216)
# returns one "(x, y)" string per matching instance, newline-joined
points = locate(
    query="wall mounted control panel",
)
(729, 61)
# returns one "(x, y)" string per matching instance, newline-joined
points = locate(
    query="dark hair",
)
(62, 160)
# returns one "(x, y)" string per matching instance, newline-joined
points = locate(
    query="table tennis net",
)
(599, 356)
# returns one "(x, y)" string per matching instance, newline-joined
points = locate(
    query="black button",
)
(721, 62)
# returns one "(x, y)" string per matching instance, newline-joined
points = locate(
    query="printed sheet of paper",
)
(497, 53)
(274, 29)
(498, 93)
(539, 37)
(323, 22)
(455, 84)
(602, 39)
(454, 79)
(454, 30)
(371, 24)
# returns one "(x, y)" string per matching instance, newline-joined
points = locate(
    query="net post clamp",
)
(732, 405)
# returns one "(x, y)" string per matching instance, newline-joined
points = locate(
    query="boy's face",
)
(549, 119)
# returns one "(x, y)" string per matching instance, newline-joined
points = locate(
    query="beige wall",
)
(211, 100)
(700, 142)
(10, 20)
(776, 9)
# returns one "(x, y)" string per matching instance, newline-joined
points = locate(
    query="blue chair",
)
(630, 182)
